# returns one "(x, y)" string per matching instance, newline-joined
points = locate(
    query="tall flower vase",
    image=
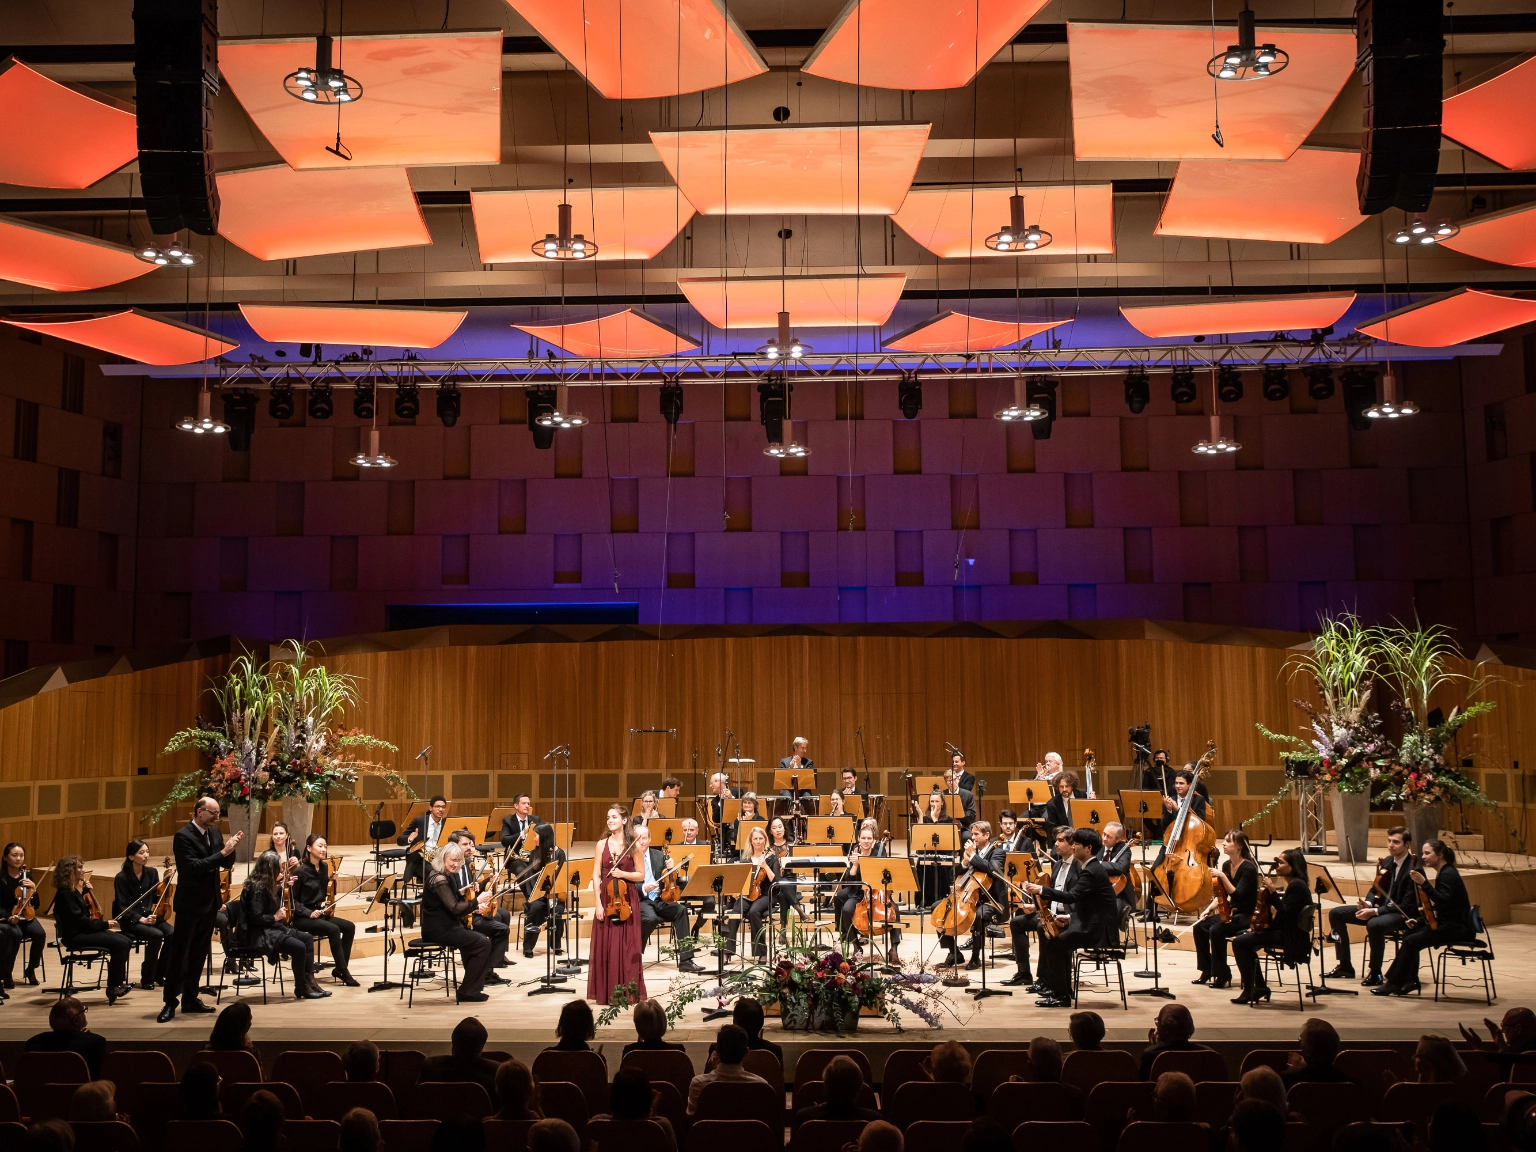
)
(1423, 821)
(299, 815)
(1352, 826)
(245, 818)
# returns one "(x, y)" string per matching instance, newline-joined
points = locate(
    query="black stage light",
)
(541, 402)
(407, 401)
(772, 407)
(280, 402)
(1359, 394)
(1277, 382)
(672, 401)
(320, 405)
(1319, 381)
(1182, 387)
(362, 400)
(1041, 391)
(240, 415)
(448, 403)
(1229, 384)
(1138, 390)
(909, 395)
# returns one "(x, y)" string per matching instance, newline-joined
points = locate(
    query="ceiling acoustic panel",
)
(1141, 92)
(45, 257)
(54, 136)
(668, 46)
(1497, 117)
(1451, 318)
(625, 335)
(916, 43)
(806, 169)
(1307, 199)
(627, 223)
(431, 98)
(276, 213)
(955, 221)
(1264, 314)
(812, 301)
(134, 334)
(1507, 237)
(370, 324)
(958, 332)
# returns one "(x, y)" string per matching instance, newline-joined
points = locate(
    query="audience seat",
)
(609, 1135)
(34, 1069)
(444, 1100)
(407, 1135)
(1327, 1107)
(737, 1135)
(200, 1135)
(1187, 1136)
(672, 1067)
(563, 1100)
(1019, 1102)
(400, 1068)
(922, 1100)
(1213, 1101)
(507, 1135)
(761, 1062)
(129, 1067)
(1299, 1137)
(309, 1071)
(12, 1133)
(237, 1065)
(48, 1101)
(10, 1110)
(742, 1101)
(935, 1135)
(813, 1062)
(1195, 1063)
(1408, 1101)
(106, 1136)
(814, 1092)
(234, 1093)
(669, 1102)
(339, 1099)
(1109, 1105)
(1369, 1066)
(155, 1105)
(902, 1066)
(311, 1135)
(1037, 1134)
(825, 1135)
(1084, 1069)
(994, 1066)
(586, 1070)
(1277, 1058)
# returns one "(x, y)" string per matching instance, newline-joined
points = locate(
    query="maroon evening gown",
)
(615, 956)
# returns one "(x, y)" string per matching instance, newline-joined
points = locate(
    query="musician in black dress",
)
(862, 877)
(1092, 920)
(1381, 910)
(201, 852)
(785, 894)
(81, 927)
(311, 894)
(1239, 879)
(753, 907)
(985, 860)
(133, 907)
(1025, 921)
(266, 925)
(935, 866)
(16, 930)
(1285, 930)
(1452, 911)
(442, 922)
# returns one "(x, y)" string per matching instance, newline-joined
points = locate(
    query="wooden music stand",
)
(744, 833)
(925, 784)
(689, 852)
(1029, 791)
(730, 809)
(902, 877)
(944, 838)
(1142, 805)
(954, 806)
(667, 806)
(829, 829)
(1017, 865)
(564, 834)
(852, 805)
(665, 832)
(1100, 813)
(493, 823)
(797, 781)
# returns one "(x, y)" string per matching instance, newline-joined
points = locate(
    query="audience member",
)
(630, 1098)
(1086, 1030)
(575, 1027)
(986, 1135)
(261, 1122)
(94, 1101)
(232, 1030)
(49, 1136)
(459, 1134)
(361, 1062)
(198, 1096)
(1171, 1033)
(878, 1136)
(948, 1063)
(1044, 1060)
(1263, 1083)
(650, 1026)
(1456, 1128)
(1517, 1033)
(724, 1064)
(517, 1092)
(69, 1032)
(463, 1064)
(1436, 1061)
(556, 1136)
(1173, 1098)
(843, 1079)
(360, 1132)
(1313, 1063)
(1256, 1126)
(748, 1016)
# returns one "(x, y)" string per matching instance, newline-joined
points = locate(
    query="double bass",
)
(1184, 872)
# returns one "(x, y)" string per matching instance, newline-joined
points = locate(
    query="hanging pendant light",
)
(1389, 405)
(1022, 408)
(1420, 231)
(1218, 444)
(324, 83)
(784, 346)
(204, 421)
(168, 250)
(374, 457)
(563, 245)
(1247, 59)
(561, 416)
(1017, 236)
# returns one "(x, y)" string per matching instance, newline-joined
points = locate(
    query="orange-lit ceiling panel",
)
(814, 169)
(1507, 237)
(1141, 92)
(1451, 318)
(627, 223)
(371, 324)
(1497, 118)
(52, 136)
(276, 213)
(1250, 314)
(669, 46)
(62, 261)
(957, 332)
(916, 43)
(427, 98)
(135, 335)
(1308, 199)
(955, 221)
(812, 301)
(626, 335)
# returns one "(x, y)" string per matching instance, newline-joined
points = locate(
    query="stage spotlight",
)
(1359, 385)
(407, 400)
(1182, 387)
(280, 402)
(1277, 382)
(448, 403)
(362, 400)
(1319, 381)
(320, 405)
(541, 402)
(671, 402)
(909, 395)
(1229, 384)
(1040, 392)
(1138, 390)
(240, 415)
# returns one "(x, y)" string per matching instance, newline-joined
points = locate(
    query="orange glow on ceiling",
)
(955, 221)
(916, 43)
(628, 223)
(1497, 117)
(1307, 199)
(276, 213)
(670, 46)
(62, 261)
(813, 169)
(1264, 314)
(957, 332)
(812, 301)
(1451, 318)
(372, 324)
(626, 335)
(1141, 92)
(53, 136)
(427, 98)
(1507, 237)
(135, 335)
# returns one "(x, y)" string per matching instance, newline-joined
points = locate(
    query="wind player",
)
(719, 789)
(985, 860)
(442, 922)
(1093, 922)
(424, 833)
(1381, 914)
(496, 925)
(850, 782)
(514, 827)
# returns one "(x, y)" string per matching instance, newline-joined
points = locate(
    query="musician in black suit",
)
(799, 761)
(1183, 780)
(496, 924)
(850, 783)
(428, 830)
(957, 762)
(541, 906)
(1453, 912)
(654, 911)
(1025, 921)
(1285, 931)
(1116, 858)
(985, 860)
(720, 790)
(514, 828)
(442, 922)
(1058, 809)
(1382, 914)
(201, 852)
(133, 907)
(967, 797)
(1093, 920)
(1238, 877)
(310, 896)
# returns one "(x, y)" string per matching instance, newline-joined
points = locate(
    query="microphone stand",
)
(719, 1011)
(1155, 975)
(384, 983)
(550, 981)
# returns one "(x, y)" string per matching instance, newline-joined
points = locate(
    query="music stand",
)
(1156, 973)
(665, 831)
(852, 805)
(1100, 813)
(947, 839)
(573, 885)
(384, 894)
(1326, 884)
(1146, 805)
(667, 806)
(730, 810)
(744, 833)
(892, 874)
(543, 887)
(716, 880)
(831, 829)
(1029, 792)
(564, 834)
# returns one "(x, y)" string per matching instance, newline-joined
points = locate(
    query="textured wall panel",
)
(900, 604)
(1194, 554)
(1306, 442)
(391, 563)
(1080, 444)
(794, 503)
(504, 451)
(345, 509)
(235, 509)
(1250, 498)
(512, 561)
(639, 556)
(696, 504)
(294, 453)
(1022, 500)
(1081, 555)
(1135, 499)
(844, 447)
(852, 559)
(1311, 552)
(289, 564)
(789, 605)
(456, 507)
(964, 446)
(736, 560)
(906, 502)
(566, 506)
(983, 557)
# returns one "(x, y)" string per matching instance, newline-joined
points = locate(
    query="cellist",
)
(853, 890)
(1238, 878)
(985, 861)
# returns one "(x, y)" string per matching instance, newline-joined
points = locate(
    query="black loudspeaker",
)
(1398, 53)
(176, 77)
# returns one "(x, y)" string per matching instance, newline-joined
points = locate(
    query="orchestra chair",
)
(506, 1135)
(1187, 1135)
(1084, 1069)
(1033, 1135)
(92, 959)
(1370, 1066)
(310, 1071)
(495, 1056)
(1017, 1102)
(400, 1068)
(339, 1099)
(669, 1102)
(737, 1135)
(130, 1067)
(825, 1135)
(1099, 960)
(443, 1100)
(1408, 1102)
(1478, 950)
(607, 1135)
(1278, 960)
(586, 1070)
(106, 1136)
(935, 1135)
(813, 1062)
(49, 1101)
(238, 1065)
(157, 1101)
(725, 1100)
(1327, 1107)
(814, 1092)
(993, 1068)
(1494, 1134)
(1214, 1100)
(34, 1069)
(1277, 1058)
(200, 1135)
(234, 1093)
(1196, 1063)
(10, 1110)
(1110, 1103)
(761, 1062)
(669, 1067)
(311, 1135)
(422, 962)
(902, 1066)
(922, 1100)
(563, 1100)
(407, 1135)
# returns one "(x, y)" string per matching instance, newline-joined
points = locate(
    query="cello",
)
(873, 916)
(956, 912)
(1185, 874)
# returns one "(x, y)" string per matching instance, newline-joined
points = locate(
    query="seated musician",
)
(785, 895)
(835, 806)
(983, 859)
(706, 906)
(1093, 922)
(443, 909)
(655, 910)
(495, 925)
(1283, 931)
(799, 762)
(1025, 921)
(310, 897)
(967, 780)
(753, 906)
(719, 789)
(935, 868)
(1238, 877)
(1183, 780)
(1058, 809)
(79, 925)
(850, 783)
(540, 906)
(16, 929)
(515, 827)
(1452, 912)
(267, 927)
(856, 887)
(1010, 833)
(646, 810)
(746, 811)
(672, 789)
(1116, 859)
(1380, 910)
(133, 907)
(967, 797)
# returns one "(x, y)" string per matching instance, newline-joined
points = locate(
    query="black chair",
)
(1100, 959)
(381, 857)
(422, 963)
(1478, 950)
(1278, 960)
(91, 959)
(242, 957)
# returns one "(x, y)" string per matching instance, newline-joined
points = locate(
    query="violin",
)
(1089, 763)
(90, 901)
(226, 879)
(1427, 909)
(161, 909)
(671, 882)
(872, 915)
(1186, 879)
(615, 896)
(759, 875)
(1118, 882)
(1223, 903)
(24, 910)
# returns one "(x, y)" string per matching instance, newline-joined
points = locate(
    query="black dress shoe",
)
(314, 993)
(192, 1007)
(167, 1014)
(1052, 1002)
(1340, 972)
(690, 967)
(492, 978)
(147, 985)
(1018, 979)
(1223, 983)
(473, 997)
(1036, 988)
(347, 978)
(1385, 989)
(1374, 980)
(1203, 978)
(30, 976)
(973, 964)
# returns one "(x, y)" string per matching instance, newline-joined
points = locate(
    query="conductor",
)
(200, 854)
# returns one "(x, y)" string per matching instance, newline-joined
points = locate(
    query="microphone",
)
(555, 749)
(423, 752)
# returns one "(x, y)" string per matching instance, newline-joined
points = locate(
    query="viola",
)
(671, 882)
(90, 902)
(1263, 910)
(1427, 909)
(1118, 882)
(161, 909)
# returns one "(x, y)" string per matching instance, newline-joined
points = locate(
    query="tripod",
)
(550, 981)
(1321, 988)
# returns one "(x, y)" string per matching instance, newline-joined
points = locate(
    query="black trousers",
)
(986, 914)
(474, 955)
(535, 913)
(1056, 959)
(13, 936)
(188, 953)
(115, 945)
(154, 936)
(497, 928)
(701, 909)
(1377, 928)
(1245, 950)
(936, 881)
(755, 912)
(655, 913)
(1021, 926)
(1405, 969)
(1211, 937)
(295, 946)
(337, 932)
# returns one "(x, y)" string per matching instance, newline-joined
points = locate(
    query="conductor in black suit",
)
(1094, 921)
(201, 853)
(798, 761)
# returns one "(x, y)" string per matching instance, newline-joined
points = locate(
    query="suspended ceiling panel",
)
(916, 43)
(427, 99)
(1262, 314)
(353, 324)
(1497, 118)
(1507, 237)
(52, 136)
(955, 221)
(811, 169)
(812, 301)
(1307, 199)
(957, 332)
(626, 335)
(1451, 318)
(62, 261)
(627, 223)
(276, 213)
(136, 335)
(669, 46)
(1141, 92)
